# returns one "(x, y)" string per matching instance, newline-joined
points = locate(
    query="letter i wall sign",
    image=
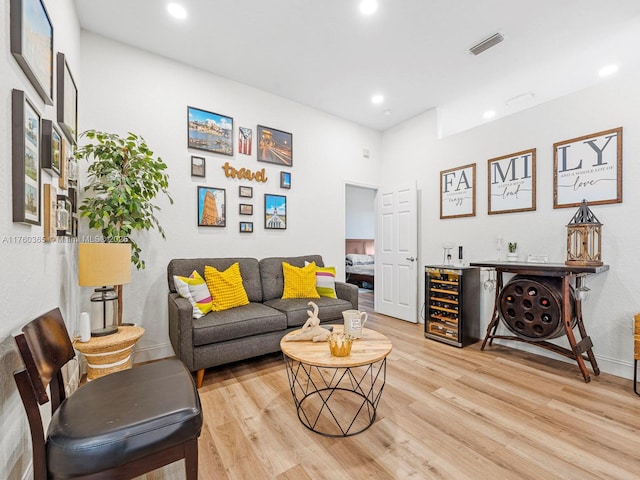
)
(589, 168)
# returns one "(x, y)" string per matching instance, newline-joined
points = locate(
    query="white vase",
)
(512, 257)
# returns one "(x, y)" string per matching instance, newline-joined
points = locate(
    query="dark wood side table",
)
(581, 350)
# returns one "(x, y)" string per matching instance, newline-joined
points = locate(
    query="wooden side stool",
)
(636, 351)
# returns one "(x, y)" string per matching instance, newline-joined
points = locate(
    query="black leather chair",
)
(116, 427)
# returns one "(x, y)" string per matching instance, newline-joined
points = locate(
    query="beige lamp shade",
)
(101, 264)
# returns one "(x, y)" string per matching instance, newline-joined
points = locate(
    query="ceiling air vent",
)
(486, 44)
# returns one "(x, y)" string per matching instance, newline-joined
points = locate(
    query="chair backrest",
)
(45, 347)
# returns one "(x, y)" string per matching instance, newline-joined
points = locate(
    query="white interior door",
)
(396, 290)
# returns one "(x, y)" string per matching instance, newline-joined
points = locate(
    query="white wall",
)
(126, 89)
(413, 147)
(360, 219)
(36, 276)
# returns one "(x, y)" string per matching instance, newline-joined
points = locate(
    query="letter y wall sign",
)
(588, 167)
(512, 183)
(458, 192)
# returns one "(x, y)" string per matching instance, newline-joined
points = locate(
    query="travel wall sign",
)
(512, 182)
(589, 168)
(244, 173)
(458, 192)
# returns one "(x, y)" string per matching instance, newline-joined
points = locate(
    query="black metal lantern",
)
(584, 238)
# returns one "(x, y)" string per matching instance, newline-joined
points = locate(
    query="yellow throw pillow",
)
(227, 290)
(299, 282)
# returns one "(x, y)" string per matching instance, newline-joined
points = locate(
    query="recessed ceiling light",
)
(387, 113)
(377, 99)
(367, 7)
(177, 11)
(489, 114)
(608, 70)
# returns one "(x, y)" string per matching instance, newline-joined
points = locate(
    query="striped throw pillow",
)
(194, 289)
(325, 281)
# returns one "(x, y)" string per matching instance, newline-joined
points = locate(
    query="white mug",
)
(354, 321)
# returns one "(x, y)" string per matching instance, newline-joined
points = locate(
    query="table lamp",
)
(104, 265)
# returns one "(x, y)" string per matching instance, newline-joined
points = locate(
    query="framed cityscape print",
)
(246, 227)
(211, 207)
(285, 179)
(32, 44)
(512, 182)
(25, 157)
(275, 146)
(244, 140)
(245, 192)
(51, 149)
(67, 100)
(275, 212)
(246, 209)
(458, 192)
(198, 166)
(588, 168)
(210, 131)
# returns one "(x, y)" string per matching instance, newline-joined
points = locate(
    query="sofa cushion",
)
(272, 277)
(226, 287)
(249, 270)
(299, 282)
(329, 309)
(238, 322)
(194, 289)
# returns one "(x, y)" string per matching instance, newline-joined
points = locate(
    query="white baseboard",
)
(609, 365)
(153, 352)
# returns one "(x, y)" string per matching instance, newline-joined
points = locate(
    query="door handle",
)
(411, 259)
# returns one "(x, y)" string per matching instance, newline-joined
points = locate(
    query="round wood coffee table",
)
(337, 396)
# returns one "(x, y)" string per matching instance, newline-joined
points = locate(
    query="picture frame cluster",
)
(41, 144)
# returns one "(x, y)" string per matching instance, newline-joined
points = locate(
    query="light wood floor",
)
(446, 413)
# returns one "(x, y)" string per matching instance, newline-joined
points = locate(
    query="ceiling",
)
(326, 55)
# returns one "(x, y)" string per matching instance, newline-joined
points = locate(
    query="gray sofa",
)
(251, 330)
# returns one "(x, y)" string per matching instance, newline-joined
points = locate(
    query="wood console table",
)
(581, 350)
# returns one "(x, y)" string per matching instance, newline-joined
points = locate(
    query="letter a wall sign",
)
(458, 192)
(589, 168)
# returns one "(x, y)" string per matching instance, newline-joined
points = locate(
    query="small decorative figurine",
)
(311, 330)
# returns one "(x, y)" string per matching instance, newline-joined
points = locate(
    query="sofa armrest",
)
(349, 292)
(181, 329)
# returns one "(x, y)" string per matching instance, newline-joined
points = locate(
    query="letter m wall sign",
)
(458, 192)
(589, 168)
(512, 182)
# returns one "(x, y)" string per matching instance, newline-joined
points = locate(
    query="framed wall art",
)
(25, 158)
(275, 212)
(285, 179)
(246, 209)
(32, 44)
(246, 227)
(51, 148)
(458, 192)
(245, 192)
(67, 154)
(64, 229)
(198, 166)
(211, 207)
(245, 138)
(67, 100)
(209, 131)
(275, 146)
(511, 183)
(50, 195)
(588, 168)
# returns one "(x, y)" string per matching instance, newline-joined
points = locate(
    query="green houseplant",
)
(512, 256)
(124, 178)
